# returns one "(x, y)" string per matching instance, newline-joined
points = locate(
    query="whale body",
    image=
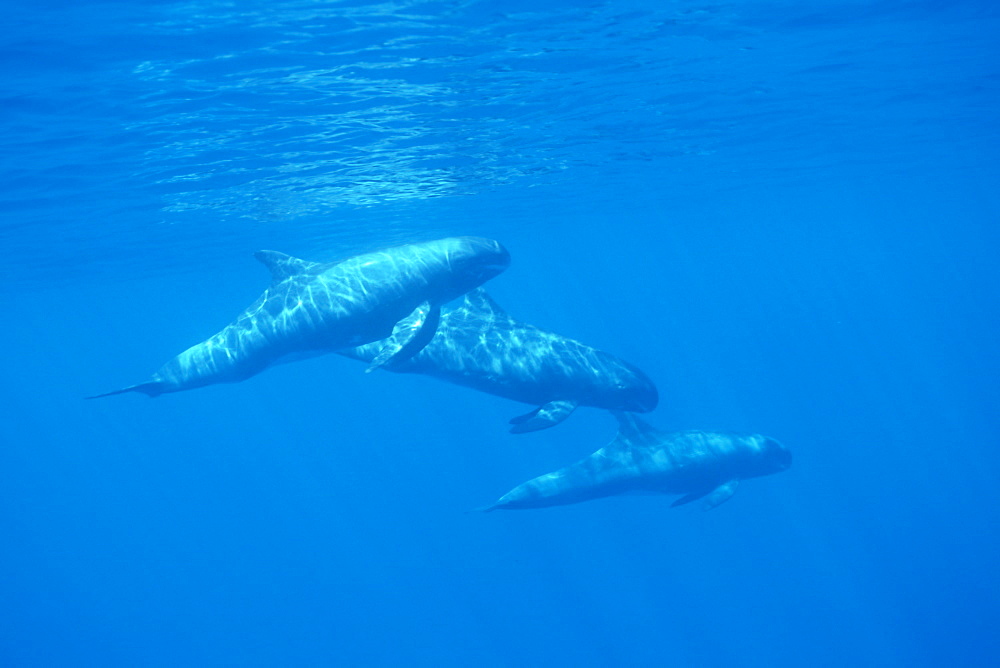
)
(641, 459)
(392, 296)
(478, 345)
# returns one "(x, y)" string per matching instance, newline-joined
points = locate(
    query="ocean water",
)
(786, 213)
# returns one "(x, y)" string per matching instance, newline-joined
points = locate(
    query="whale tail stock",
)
(150, 389)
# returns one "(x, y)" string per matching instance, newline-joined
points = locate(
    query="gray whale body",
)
(393, 296)
(477, 345)
(641, 459)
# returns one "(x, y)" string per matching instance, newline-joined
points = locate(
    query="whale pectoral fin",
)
(409, 336)
(543, 417)
(717, 496)
(150, 389)
(688, 498)
(721, 494)
(712, 497)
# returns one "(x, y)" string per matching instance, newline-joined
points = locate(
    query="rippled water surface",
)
(152, 127)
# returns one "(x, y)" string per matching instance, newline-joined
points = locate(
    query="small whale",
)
(695, 464)
(393, 296)
(478, 345)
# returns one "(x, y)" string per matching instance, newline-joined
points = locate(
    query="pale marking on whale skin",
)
(642, 459)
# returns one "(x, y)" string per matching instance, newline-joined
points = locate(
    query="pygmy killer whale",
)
(478, 345)
(641, 459)
(393, 296)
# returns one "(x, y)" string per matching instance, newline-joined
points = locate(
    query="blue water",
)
(786, 213)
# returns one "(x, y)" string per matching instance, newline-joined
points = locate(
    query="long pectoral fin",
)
(721, 494)
(713, 497)
(543, 417)
(688, 498)
(150, 389)
(409, 336)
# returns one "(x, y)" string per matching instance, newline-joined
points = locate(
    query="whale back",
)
(479, 345)
(546, 366)
(479, 305)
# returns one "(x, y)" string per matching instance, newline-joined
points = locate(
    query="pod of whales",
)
(641, 459)
(393, 296)
(390, 309)
(477, 345)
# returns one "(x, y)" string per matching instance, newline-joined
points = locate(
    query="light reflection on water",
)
(211, 118)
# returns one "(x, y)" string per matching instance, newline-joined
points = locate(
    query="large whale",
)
(393, 296)
(478, 345)
(641, 459)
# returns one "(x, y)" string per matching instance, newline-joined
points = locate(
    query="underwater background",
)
(786, 213)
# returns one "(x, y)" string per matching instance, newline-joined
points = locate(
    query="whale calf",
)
(393, 296)
(478, 345)
(641, 459)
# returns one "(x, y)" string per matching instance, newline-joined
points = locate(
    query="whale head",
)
(640, 395)
(767, 455)
(623, 387)
(475, 259)
(456, 265)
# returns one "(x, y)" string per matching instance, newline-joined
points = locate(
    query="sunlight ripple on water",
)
(222, 116)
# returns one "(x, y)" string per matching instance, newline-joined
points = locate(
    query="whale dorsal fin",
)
(479, 301)
(283, 266)
(632, 429)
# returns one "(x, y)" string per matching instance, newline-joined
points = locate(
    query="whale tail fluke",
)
(152, 388)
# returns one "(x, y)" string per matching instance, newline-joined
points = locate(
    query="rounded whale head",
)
(468, 262)
(476, 256)
(770, 456)
(641, 396)
(626, 388)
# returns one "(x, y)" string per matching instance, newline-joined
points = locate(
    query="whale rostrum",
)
(641, 459)
(311, 308)
(478, 345)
